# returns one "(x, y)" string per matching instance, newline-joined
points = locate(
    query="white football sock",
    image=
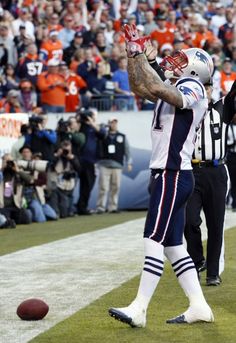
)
(186, 273)
(152, 271)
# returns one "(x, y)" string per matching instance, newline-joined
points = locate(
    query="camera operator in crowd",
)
(114, 150)
(88, 155)
(33, 191)
(19, 143)
(41, 139)
(70, 130)
(11, 191)
(62, 179)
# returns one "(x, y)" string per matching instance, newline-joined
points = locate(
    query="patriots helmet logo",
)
(187, 91)
(201, 57)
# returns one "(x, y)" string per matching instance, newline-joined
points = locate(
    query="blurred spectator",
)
(216, 77)
(218, 18)
(77, 59)
(11, 191)
(114, 151)
(78, 10)
(30, 66)
(11, 103)
(88, 67)
(45, 12)
(109, 32)
(162, 34)
(226, 31)
(124, 98)
(75, 85)
(114, 58)
(76, 44)
(41, 33)
(27, 96)
(7, 42)
(51, 48)
(102, 89)
(53, 88)
(9, 80)
(140, 11)
(121, 15)
(58, 7)
(33, 191)
(182, 28)
(172, 15)
(5, 15)
(23, 20)
(66, 34)
(39, 138)
(89, 36)
(131, 18)
(62, 176)
(54, 23)
(88, 156)
(3, 57)
(178, 44)
(166, 49)
(150, 24)
(100, 42)
(203, 35)
(21, 41)
(227, 76)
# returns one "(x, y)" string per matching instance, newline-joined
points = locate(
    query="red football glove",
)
(134, 44)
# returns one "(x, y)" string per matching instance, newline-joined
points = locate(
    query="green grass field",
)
(92, 324)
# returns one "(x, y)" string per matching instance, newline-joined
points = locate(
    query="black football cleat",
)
(118, 315)
(213, 281)
(200, 313)
(177, 320)
(133, 315)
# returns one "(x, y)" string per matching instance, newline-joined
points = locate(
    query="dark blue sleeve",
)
(50, 135)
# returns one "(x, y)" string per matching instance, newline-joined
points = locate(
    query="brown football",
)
(32, 309)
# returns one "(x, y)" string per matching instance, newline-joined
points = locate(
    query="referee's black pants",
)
(209, 195)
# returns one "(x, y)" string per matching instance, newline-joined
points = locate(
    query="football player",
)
(181, 102)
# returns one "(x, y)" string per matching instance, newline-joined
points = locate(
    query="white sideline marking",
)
(68, 274)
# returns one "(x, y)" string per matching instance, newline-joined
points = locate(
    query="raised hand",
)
(135, 45)
(150, 51)
(131, 32)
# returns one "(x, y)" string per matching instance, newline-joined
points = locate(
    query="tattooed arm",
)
(145, 82)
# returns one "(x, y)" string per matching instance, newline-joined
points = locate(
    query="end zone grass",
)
(92, 324)
(26, 236)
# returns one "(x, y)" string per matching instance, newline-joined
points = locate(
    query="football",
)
(32, 309)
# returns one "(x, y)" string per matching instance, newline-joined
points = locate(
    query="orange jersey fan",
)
(74, 84)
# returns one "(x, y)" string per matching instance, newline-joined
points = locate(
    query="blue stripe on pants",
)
(170, 190)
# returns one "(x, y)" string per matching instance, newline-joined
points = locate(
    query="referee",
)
(211, 186)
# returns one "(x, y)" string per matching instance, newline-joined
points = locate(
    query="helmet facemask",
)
(174, 65)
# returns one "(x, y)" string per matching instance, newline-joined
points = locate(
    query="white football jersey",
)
(174, 130)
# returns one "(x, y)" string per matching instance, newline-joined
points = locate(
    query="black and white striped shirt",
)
(212, 136)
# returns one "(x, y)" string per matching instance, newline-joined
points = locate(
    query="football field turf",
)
(92, 324)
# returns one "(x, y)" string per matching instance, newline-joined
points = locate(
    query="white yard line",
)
(68, 274)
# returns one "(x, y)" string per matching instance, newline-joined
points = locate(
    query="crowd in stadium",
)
(58, 55)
